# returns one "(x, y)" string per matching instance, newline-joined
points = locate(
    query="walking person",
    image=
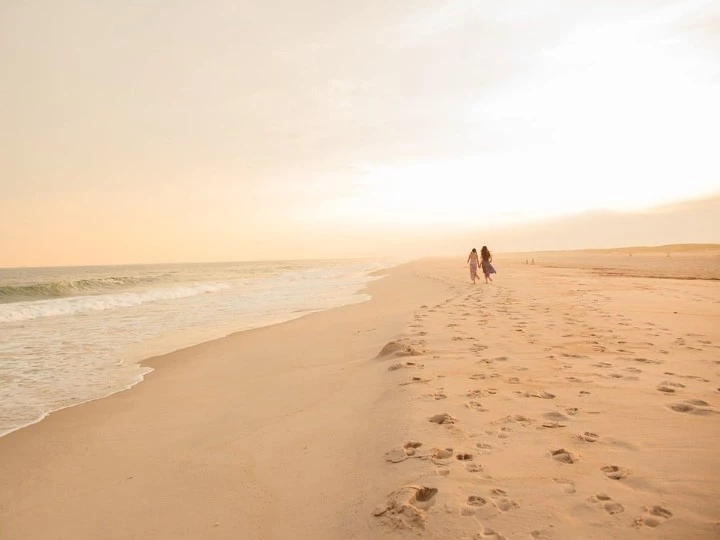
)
(486, 263)
(474, 263)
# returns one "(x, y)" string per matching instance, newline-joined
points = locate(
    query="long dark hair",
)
(485, 253)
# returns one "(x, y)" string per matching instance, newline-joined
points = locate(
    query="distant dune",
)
(690, 226)
(670, 261)
(664, 249)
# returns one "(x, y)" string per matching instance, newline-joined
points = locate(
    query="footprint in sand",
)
(441, 454)
(405, 508)
(693, 406)
(515, 419)
(602, 365)
(653, 517)
(613, 508)
(568, 355)
(478, 506)
(553, 425)
(610, 506)
(563, 456)
(473, 467)
(647, 361)
(401, 365)
(566, 485)
(443, 418)
(475, 406)
(476, 500)
(414, 380)
(555, 417)
(589, 436)
(541, 394)
(489, 534)
(614, 472)
(694, 377)
(409, 449)
(501, 501)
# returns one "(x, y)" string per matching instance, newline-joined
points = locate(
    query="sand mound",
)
(395, 348)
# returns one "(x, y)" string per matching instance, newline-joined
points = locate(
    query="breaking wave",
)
(23, 311)
(59, 289)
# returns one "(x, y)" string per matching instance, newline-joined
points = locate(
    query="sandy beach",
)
(567, 400)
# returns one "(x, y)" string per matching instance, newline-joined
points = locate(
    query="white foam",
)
(24, 311)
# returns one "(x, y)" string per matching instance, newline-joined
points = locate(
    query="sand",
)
(558, 402)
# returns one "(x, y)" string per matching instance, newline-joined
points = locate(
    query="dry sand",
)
(556, 403)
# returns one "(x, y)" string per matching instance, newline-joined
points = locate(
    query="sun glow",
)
(618, 116)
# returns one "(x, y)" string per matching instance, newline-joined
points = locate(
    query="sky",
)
(167, 131)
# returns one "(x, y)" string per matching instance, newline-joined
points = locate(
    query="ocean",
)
(71, 335)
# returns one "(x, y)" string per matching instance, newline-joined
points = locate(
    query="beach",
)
(573, 398)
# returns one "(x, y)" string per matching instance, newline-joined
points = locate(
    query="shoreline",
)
(217, 380)
(142, 361)
(552, 403)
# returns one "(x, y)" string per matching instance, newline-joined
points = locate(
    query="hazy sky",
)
(143, 131)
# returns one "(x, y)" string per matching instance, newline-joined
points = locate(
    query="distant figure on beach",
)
(487, 267)
(474, 262)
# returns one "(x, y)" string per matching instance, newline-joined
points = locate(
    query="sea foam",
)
(24, 311)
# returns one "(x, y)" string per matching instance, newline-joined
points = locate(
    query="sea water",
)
(70, 335)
